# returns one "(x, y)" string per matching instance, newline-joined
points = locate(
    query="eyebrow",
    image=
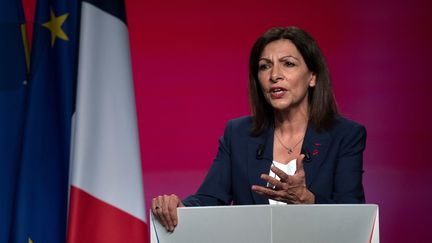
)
(268, 60)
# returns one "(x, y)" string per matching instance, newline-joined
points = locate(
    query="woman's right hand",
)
(164, 208)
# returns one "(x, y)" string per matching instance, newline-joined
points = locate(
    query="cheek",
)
(261, 78)
(300, 87)
(303, 88)
(303, 81)
(261, 83)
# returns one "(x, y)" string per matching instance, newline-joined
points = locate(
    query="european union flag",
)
(12, 97)
(41, 202)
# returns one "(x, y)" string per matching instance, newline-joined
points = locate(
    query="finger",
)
(155, 204)
(153, 207)
(166, 213)
(266, 192)
(159, 213)
(286, 195)
(282, 175)
(299, 164)
(282, 195)
(272, 181)
(172, 207)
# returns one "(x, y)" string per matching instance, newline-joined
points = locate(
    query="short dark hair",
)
(322, 109)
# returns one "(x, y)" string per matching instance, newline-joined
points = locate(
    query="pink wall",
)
(190, 69)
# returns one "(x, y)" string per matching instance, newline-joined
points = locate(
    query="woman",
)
(295, 148)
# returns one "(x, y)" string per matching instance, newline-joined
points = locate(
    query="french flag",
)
(106, 194)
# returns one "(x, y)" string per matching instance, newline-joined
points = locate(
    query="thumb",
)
(299, 164)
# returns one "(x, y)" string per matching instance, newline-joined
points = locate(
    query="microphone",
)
(260, 151)
(307, 157)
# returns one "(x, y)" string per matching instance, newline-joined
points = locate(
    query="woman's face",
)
(284, 76)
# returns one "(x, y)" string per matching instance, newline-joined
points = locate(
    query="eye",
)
(288, 64)
(263, 66)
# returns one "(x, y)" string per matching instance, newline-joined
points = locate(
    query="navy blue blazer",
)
(333, 173)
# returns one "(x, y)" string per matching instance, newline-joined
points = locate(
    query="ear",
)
(312, 80)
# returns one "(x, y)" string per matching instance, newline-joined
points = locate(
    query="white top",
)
(289, 169)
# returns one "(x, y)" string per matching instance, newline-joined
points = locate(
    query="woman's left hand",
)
(290, 189)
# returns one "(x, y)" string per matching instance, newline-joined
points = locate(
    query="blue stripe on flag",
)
(113, 7)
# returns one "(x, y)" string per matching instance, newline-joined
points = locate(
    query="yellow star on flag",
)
(54, 25)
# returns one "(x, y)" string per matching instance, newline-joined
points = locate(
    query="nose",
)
(275, 78)
(275, 74)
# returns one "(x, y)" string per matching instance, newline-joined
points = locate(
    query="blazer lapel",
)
(258, 165)
(316, 144)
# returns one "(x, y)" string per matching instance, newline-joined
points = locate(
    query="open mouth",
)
(277, 91)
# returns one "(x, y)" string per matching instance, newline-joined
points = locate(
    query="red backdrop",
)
(190, 70)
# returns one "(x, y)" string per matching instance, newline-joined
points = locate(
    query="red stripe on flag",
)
(93, 220)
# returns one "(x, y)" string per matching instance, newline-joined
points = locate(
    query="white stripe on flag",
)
(106, 156)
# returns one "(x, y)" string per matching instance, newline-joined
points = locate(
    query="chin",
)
(281, 107)
(280, 104)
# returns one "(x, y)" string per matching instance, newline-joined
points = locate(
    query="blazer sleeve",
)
(216, 187)
(348, 171)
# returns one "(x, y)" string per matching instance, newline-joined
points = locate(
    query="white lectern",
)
(354, 223)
